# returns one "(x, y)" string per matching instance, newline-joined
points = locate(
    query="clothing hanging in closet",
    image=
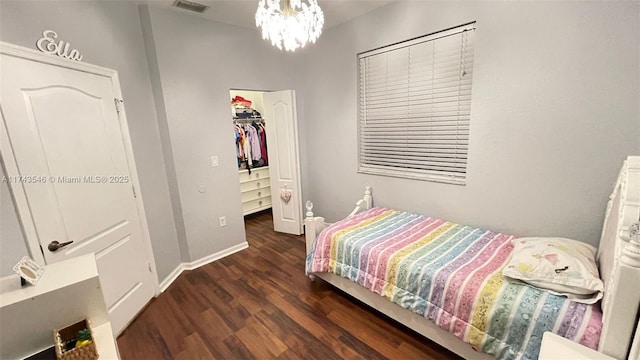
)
(251, 145)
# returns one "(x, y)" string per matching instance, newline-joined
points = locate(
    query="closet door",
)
(284, 163)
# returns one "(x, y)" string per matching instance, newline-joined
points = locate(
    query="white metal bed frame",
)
(619, 262)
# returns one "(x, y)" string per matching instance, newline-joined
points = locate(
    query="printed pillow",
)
(562, 266)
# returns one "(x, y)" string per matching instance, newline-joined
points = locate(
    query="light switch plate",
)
(214, 161)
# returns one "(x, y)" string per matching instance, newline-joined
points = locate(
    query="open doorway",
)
(266, 142)
(252, 155)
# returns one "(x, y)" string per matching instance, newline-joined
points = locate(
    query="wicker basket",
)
(70, 334)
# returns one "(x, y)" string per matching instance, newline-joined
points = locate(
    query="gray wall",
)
(197, 63)
(109, 34)
(554, 113)
(12, 244)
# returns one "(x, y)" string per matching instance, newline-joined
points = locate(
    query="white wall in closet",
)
(554, 113)
(254, 96)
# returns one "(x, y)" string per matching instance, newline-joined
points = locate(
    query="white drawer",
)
(255, 205)
(256, 174)
(254, 185)
(256, 194)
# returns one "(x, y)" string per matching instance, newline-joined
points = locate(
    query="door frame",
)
(7, 155)
(275, 194)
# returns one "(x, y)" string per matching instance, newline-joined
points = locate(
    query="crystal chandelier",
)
(293, 25)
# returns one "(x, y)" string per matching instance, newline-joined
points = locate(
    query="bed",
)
(466, 322)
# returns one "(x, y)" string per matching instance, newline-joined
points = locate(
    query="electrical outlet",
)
(222, 220)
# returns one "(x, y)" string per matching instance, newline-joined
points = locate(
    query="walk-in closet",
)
(266, 148)
(252, 155)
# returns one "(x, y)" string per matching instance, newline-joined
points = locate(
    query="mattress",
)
(452, 275)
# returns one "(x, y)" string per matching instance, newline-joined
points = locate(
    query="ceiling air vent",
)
(190, 5)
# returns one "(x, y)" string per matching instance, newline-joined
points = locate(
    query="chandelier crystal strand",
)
(290, 25)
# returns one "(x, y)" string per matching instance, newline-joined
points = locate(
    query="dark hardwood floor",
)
(258, 304)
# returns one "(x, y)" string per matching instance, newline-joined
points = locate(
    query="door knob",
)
(55, 245)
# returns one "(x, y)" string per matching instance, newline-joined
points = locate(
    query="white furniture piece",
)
(555, 347)
(255, 190)
(68, 291)
(619, 265)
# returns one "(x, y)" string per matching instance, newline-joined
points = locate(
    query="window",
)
(415, 106)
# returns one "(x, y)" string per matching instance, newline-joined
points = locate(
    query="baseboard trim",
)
(200, 262)
(170, 278)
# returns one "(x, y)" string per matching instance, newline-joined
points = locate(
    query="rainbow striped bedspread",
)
(452, 275)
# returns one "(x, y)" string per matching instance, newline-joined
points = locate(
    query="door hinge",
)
(134, 191)
(118, 103)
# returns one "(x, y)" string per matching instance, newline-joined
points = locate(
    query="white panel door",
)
(66, 139)
(284, 164)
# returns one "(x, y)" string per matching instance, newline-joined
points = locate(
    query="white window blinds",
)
(415, 106)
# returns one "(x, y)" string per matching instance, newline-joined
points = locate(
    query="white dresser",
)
(69, 291)
(255, 190)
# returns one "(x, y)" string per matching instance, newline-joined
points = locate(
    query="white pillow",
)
(562, 266)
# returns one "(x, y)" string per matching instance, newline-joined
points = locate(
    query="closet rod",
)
(249, 120)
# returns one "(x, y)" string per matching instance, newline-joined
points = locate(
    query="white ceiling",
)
(242, 12)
